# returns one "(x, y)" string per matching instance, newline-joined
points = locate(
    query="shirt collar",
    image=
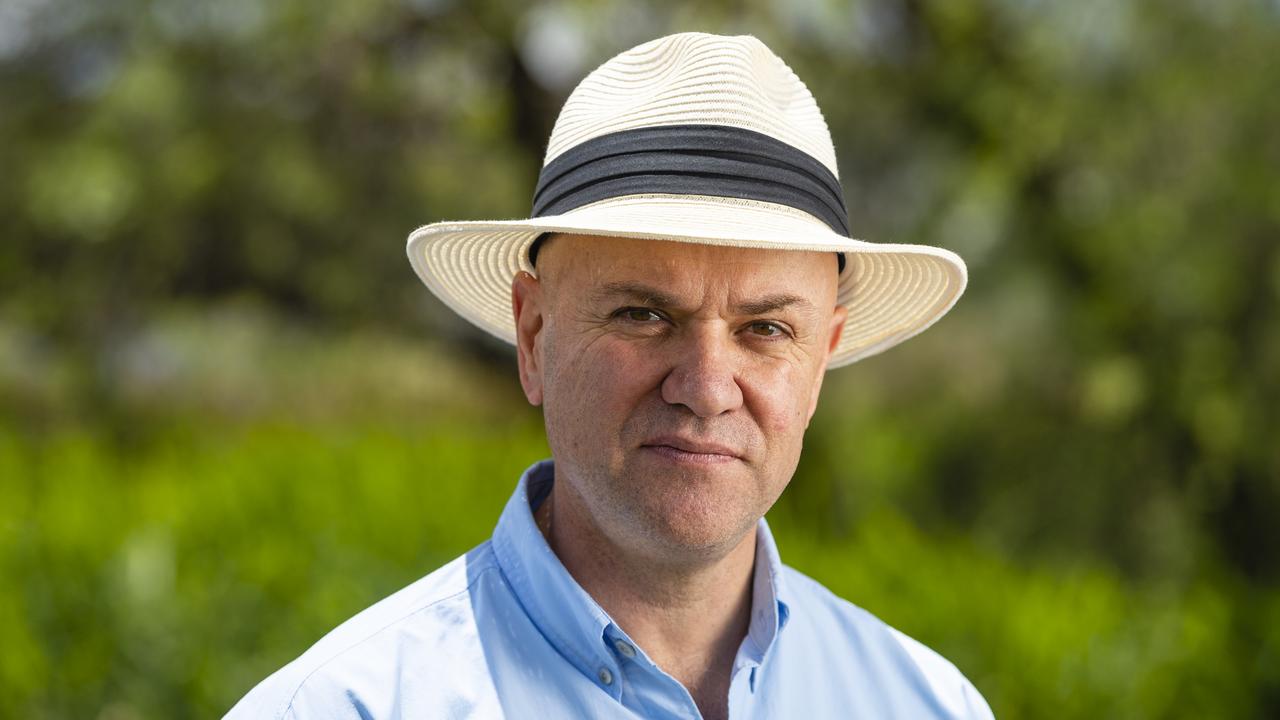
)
(769, 610)
(570, 619)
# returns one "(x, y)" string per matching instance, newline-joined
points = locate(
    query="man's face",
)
(676, 380)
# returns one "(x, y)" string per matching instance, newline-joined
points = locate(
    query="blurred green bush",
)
(167, 579)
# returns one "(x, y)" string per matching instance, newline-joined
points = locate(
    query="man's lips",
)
(687, 450)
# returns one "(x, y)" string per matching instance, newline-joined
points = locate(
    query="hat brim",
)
(892, 291)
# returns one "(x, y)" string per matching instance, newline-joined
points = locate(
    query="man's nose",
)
(704, 371)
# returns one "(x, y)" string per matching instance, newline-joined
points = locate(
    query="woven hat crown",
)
(692, 79)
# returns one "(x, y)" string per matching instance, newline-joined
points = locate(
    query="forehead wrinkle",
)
(663, 274)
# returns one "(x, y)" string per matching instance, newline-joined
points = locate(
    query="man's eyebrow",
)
(773, 303)
(647, 295)
(637, 292)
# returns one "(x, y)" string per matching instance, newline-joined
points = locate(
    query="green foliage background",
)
(230, 417)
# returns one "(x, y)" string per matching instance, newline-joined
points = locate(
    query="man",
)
(685, 282)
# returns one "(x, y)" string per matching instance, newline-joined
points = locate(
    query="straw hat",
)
(694, 138)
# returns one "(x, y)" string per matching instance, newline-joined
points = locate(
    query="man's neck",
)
(690, 618)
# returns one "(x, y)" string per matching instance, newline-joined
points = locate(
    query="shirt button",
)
(605, 676)
(625, 648)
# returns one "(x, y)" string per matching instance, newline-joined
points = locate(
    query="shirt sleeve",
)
(949, 685)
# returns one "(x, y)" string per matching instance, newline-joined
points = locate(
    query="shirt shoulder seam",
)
(288, 708)
(902, 639)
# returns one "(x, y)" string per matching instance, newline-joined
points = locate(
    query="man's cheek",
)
(626, 367)
(785, 415)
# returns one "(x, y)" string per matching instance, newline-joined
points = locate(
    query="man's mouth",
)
(686, 450)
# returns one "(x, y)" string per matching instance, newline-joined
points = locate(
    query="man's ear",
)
(836, 330)
(526, 305)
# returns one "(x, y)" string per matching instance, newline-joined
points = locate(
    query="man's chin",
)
(697, 528)
(692, 511)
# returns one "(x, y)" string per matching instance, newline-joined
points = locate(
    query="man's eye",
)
(766, 329)
(640, 315)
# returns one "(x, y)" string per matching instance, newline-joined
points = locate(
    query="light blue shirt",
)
(505, 631)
